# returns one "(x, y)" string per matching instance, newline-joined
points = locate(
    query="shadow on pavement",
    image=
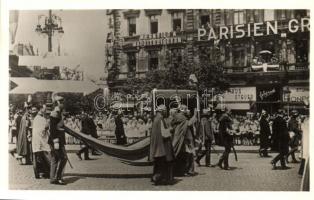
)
(108, 175)
(70, 180)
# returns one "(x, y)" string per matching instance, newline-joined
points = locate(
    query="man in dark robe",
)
(119, 132)
(23, 147)
(225, 126)
(280, 132)
(161, 151)
(264, 135)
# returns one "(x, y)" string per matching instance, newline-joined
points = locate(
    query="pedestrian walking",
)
(281, 136)
(296, 136)
(206, 137)
(161, 151)
(225, 126)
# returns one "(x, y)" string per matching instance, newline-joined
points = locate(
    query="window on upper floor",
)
(153, 60)
(258, 15)
(269, 15)
(177, 18)
(238, 17)
(281, 14)
(132, 26)
(205, 21)
(131, 61)
(153, 24)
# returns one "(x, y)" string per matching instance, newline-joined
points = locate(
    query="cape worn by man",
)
(23, 145)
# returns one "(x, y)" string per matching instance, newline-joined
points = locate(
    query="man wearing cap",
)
(206, 136)
(294, 126)
(225, 126)
(41, 149)
(281, 135)
(264, 135)
(161, 151)
(56, 141)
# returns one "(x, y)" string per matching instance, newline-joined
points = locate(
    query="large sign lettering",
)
(251, 29)
(297, 94)
(238, 94)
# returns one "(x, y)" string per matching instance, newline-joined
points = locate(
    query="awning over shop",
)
(49, 61)
(31, 85)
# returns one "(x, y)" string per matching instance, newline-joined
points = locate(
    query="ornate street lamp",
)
(52, 24)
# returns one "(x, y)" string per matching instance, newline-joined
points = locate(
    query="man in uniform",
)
(56, 141)
(281, 135)
(161, 151)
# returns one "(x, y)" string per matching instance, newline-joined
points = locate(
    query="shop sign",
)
(239, 94)
(297, 94)
(251, 29)
(268, 94)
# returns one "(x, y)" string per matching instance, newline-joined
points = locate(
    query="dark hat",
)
(294, 112)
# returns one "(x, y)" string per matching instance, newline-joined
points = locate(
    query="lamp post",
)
(52, 24)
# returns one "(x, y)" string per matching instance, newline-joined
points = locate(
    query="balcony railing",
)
(271, 68)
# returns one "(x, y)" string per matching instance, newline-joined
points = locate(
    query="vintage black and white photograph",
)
(159, 99)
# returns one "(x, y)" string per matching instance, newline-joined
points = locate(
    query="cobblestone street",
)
(250, 173)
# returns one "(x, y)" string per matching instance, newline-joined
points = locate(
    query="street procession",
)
(164, 97)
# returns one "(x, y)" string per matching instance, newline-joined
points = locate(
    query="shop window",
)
(205, 21)
(269, 15)
(153, 24)
(131, 62)
(153, 60)
(238, 16)
(132, 26)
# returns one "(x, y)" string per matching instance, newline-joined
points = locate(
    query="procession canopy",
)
(136, 151)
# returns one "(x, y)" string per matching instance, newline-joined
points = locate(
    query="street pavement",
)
(250, 173)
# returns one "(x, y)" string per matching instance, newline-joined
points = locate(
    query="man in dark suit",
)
(225, 126)
(280, 131)
(86, 129)
(206, 136)
(119, 132)
(264, 135)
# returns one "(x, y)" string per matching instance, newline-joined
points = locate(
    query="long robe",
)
(280, 135)
(23, 145)
(159, 146)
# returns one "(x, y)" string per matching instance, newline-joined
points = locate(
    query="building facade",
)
(265, 53)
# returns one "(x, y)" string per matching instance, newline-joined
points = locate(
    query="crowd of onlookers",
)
(246, 129)
(71, 74)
